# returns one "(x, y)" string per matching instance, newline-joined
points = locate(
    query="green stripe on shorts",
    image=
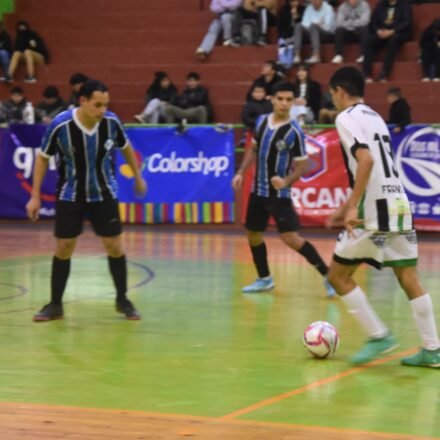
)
(401, 263)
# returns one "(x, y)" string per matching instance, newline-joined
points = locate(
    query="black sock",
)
(118, 269)
(259, 254)
(58, 279)
(309, 252)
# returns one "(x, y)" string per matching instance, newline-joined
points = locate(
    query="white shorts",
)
(395, 249)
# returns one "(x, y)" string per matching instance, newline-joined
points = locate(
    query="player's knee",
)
(65, 249)
(254, 238)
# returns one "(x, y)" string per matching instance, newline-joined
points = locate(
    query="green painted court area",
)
(203, 348)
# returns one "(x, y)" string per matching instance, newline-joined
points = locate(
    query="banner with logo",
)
(189, 176)
(18, 148)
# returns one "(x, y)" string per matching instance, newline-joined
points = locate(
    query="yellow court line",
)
(316, 384)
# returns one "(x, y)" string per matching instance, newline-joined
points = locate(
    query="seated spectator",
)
(317, 25)
(288, 17)
(390, 27)
(50, 106)
(28, 47)
(430, 51)
(160, 92)
(307, 93)
(257, 105)
(5, 51)
(352, 21)
(262, 12)
(400, 112)
(270, 75)
(328, 111)
(13, 110)
(192, 105)
(76, 81)
(222, 23)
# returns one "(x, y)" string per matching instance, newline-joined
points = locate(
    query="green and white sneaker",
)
(423, 358)
(375, 348)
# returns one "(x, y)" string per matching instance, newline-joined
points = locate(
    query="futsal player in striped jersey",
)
(84, 140)
(279, 142)
(378, 224)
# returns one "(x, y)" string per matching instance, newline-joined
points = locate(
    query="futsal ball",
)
(321, 339)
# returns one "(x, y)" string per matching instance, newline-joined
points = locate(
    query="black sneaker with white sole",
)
(49, 312)
(126, 307)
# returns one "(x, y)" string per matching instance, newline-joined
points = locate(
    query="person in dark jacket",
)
(430, 51)
(51, 105)
(192, 105)
(161, 91)
(307, 93)
(400, 112)
(5, 51)
(256, 106)
(390, 27)
(29, 47)
(270, 76)
(12, 110)
(76, 81)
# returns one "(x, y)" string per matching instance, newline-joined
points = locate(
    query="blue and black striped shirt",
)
(277, 146)
(85, 157)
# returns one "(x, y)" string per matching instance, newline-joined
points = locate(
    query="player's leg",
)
(105, 220)
(257, 219)
(351, 251)
(68, 226)
(401, 254)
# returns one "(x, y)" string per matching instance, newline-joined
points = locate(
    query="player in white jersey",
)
(378, 225)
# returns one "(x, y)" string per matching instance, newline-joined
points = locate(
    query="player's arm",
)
(298, 171)
(130, 158)
(249, 158)
(40, 169)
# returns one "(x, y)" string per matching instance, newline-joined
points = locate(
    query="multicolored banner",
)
(325, 186)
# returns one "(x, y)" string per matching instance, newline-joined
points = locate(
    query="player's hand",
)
(140, 187)
(278, 182)
(237, 181)
(33, 208)
(336, 218)
(351, 219)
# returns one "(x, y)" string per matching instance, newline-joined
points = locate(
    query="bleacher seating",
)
(123, 42)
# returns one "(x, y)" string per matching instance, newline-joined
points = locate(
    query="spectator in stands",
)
(222, 24)
(262, 12)
(288, 17)
(270, 75)
(317, 25)
(390, 27)
(192, 105)
(328, 111)
(160, 92)
(400, 112)
(430, 51)
(12, 110)
(51, 105)
(28, 47)
(5, 51)
(352, 21)
(307, 93)
(76, 81)
(257, 105)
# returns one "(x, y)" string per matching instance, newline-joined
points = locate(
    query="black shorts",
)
(260, 209)
(104, 217)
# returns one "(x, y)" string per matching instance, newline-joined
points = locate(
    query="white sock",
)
(423, 313)
(358, 305)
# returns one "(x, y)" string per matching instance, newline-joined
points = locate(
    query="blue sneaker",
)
(375, 348)
(259, 285)
(331, 292)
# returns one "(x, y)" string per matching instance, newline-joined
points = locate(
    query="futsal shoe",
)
(49, 312)
(259, 285)
(331, 292)
(126, 307)
(424, 358)
(375, 348)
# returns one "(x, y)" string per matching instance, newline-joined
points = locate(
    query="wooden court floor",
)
(206, 361)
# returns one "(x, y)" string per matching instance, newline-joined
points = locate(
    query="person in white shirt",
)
(317, 25)
(378, 224)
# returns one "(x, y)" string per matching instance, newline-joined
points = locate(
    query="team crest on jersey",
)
(281, 145)
(108, 145)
